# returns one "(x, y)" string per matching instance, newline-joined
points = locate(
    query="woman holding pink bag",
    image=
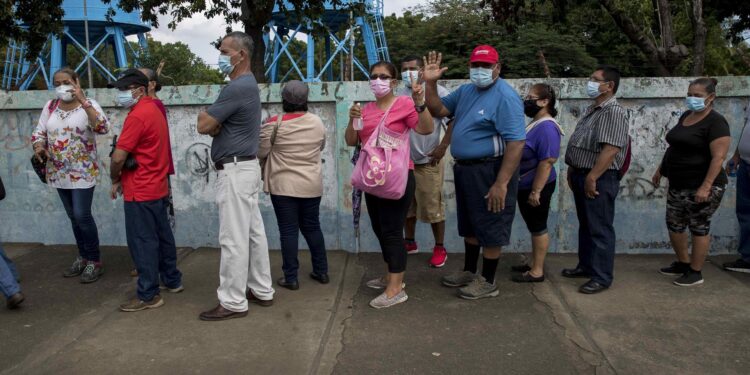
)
(383, 170)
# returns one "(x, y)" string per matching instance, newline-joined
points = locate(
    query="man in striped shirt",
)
(596, 152)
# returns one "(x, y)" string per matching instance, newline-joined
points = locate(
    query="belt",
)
(479, 161)
(232, 159)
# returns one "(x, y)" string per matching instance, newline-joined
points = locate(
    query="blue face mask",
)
(408, 75)
(695, 104)
(592, 89)
(125, 99)
(225, 64)
(482, 77)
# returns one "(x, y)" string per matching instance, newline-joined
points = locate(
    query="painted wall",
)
(32, 211)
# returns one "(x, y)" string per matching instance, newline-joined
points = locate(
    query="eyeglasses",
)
(381, 76)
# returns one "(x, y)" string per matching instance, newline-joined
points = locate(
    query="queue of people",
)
(505, 147)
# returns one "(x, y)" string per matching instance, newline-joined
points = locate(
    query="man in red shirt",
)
(144, 188)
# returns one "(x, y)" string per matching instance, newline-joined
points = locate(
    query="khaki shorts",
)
(428, 205)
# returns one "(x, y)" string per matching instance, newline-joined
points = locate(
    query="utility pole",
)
(88, 47)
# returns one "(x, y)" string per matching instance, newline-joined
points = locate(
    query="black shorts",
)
(473, 182)
(536, 217)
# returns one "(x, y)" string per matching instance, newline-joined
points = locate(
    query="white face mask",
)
(63, 92)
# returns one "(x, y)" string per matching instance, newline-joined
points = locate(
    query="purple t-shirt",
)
(542, 142)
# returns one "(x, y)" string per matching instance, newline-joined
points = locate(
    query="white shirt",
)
(71, 143)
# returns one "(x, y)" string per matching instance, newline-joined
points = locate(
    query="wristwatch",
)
(420, 108)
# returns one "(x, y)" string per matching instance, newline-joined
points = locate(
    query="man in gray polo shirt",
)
(234, 123)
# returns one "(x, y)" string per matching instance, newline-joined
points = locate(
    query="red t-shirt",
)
(145, 135)
(163, 110)
(401, 118)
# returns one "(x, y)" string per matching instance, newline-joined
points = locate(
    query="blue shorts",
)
(473, 181)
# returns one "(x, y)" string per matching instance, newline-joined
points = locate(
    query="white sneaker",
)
(382, 301)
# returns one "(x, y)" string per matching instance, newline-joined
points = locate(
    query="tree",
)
(181, 66)
(30, 22)
(651, 26)
(254, 15)
(445, 25)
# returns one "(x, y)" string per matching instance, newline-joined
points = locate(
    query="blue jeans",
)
(743, 209)
(152, 246)
(77, 203)
(294, 215)
(8, 275)
(596, 230)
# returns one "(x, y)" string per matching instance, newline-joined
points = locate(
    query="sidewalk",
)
(643, 325)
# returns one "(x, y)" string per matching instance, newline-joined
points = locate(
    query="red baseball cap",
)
(485, 54)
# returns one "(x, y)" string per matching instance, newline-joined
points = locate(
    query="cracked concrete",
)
(643, 324)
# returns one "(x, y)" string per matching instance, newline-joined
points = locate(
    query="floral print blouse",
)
(71, 143)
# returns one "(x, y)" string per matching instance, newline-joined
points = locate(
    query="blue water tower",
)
(282, 30)
(103, 33)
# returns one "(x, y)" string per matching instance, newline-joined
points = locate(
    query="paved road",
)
(643, 325)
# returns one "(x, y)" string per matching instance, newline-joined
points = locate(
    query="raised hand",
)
(432, 70)
(77, 92)
(417, 91)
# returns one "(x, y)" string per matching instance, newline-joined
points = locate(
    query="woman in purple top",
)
(537, 181)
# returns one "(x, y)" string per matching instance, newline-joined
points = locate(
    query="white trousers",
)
(242, 236)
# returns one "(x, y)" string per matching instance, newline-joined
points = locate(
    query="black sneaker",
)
(92, 272)
(689, 278)
(739, 265)
(675, 269)
(76, 269)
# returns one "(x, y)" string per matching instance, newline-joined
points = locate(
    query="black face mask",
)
(530, 108)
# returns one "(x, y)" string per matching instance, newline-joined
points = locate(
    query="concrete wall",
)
(32, 211)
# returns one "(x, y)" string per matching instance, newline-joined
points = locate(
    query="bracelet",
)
(86, 105)
(420, 108)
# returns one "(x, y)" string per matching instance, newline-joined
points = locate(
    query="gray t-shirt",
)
(421, 145)
(238, 111)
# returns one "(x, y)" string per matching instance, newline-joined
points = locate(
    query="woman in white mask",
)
(65, 140)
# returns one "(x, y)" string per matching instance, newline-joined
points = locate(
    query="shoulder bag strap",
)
(279, 119)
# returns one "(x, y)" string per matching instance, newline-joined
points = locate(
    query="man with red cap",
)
(487, 142)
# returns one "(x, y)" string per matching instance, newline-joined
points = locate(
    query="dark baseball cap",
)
(129, 78)
(295, 92)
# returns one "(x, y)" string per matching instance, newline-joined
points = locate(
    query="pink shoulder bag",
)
(383, 166)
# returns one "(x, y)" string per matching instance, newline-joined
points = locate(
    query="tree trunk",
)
(665, 24)
(637, 36)
(699, 37)
(255, 14)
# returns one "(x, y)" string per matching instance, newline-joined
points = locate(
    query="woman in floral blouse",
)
(65, 140)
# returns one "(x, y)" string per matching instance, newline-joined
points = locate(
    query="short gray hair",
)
(243, 41)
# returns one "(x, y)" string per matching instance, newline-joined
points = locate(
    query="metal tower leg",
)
(55, 57)
(310, 55)
(121, 58)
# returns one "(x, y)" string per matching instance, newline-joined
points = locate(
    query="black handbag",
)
(40, 167)
(130, 162)
(2, 190)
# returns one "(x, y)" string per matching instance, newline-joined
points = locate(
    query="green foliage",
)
(575, 35)
(181, 66)
(455, 27)
(29, 22)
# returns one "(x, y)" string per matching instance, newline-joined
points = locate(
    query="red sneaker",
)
(439, 256)
(411, 247)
